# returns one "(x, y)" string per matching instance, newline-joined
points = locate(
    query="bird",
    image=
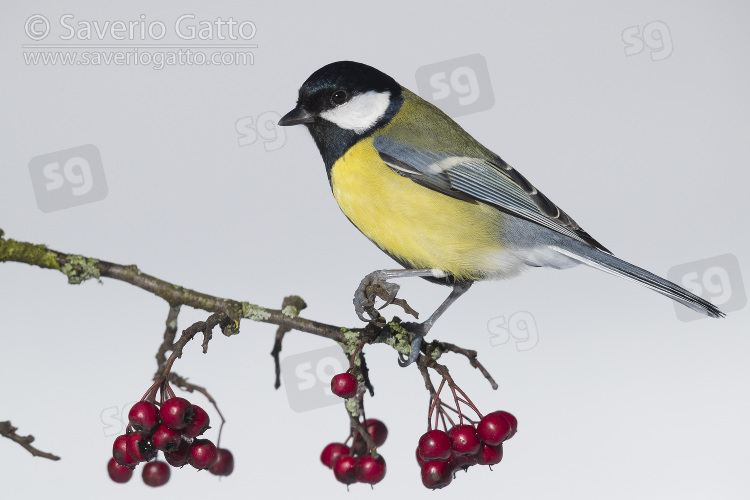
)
(442, 205)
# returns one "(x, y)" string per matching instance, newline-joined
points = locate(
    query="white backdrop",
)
(634, 119)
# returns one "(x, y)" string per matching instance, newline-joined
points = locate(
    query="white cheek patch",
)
(361, 112)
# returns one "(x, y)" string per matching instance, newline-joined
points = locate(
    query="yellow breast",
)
(417, 225)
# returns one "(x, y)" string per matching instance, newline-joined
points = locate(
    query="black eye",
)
(339, 97)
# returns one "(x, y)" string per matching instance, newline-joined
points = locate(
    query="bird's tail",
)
(611, 264)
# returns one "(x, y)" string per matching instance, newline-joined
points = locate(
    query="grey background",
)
(619, 399)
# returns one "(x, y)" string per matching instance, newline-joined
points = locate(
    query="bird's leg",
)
(419, 330)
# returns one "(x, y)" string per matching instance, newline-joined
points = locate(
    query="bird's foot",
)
(418, 331)
(373, 285)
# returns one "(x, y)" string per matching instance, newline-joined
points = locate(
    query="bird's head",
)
(342, 102)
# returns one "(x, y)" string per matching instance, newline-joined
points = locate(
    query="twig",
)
(187, 335)
(8, 431)
(366, 374)
(357, 427)
(471, 355)
(426, 375)
(292, 301)
(169, 334)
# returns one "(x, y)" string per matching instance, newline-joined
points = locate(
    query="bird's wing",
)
(491, 181)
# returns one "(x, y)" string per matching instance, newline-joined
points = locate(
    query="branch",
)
(79, 269)
(227, 314)
(7, 430)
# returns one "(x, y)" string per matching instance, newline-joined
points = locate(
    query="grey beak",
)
(296, 116)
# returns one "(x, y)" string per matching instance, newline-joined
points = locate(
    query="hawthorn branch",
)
(78, 269)
(227, 313)
(8, 431)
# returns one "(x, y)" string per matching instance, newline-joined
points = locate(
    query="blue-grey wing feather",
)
(480, 179)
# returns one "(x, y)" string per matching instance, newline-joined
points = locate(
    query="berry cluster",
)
(172, 427)
(441, 453)
(354, 464)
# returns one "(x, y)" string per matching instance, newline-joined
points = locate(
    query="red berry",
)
(198, 423)
(345, 469)
(513, 421)
(420, 460)
(120, 452)
(377, 430)
(140, 448)
(461, 461)
(118, 473)
(476, 457)
(176, 413)
(166, 439)
(332, 452)
(434, 445)
(144, 417)
(156, 473)
(225, 465)
(490, 455)
(180, 456)
(370, 470)
(493, 429)
(464, 439)
(203, 454)
(436, 474)
(344, 385)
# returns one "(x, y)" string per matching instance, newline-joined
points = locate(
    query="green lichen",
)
(253, 312)
(400, 340)
(290, 312)
(350, 343)
(79, 269)
(26, 253)
(352, 406)
(435, 353)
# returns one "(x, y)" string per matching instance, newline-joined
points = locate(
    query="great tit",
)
(433, 198)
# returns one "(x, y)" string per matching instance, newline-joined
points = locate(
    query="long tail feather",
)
(611, 264)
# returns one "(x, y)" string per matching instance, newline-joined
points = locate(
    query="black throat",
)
(333, 141)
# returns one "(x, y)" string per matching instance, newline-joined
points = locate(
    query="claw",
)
(418, 331)
(390, 292)
(373, 285)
